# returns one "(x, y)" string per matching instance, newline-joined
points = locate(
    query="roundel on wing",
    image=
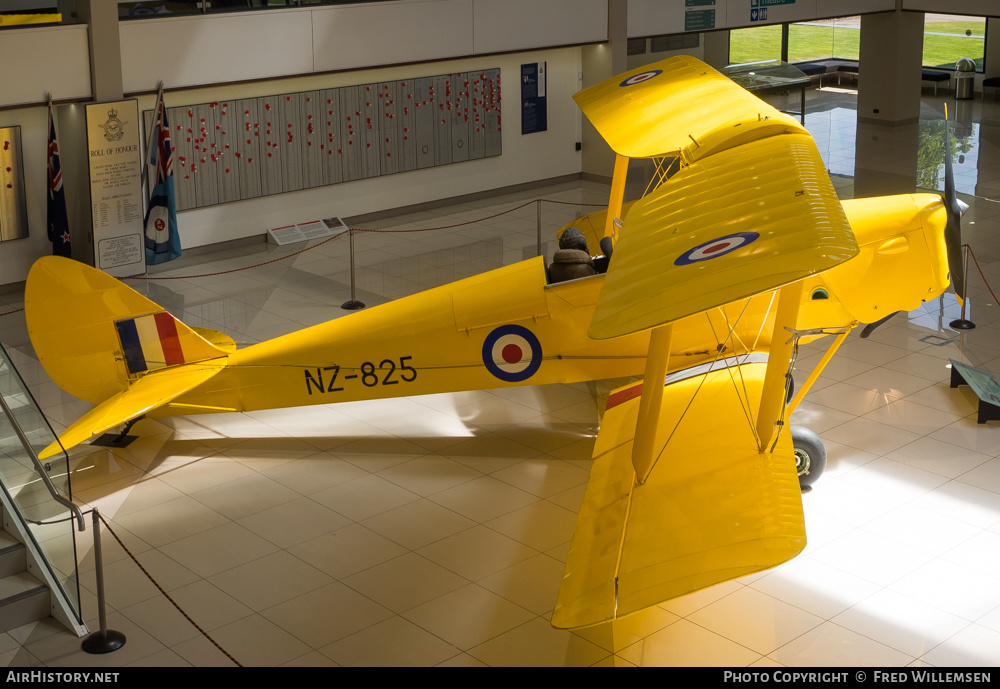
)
(512, 353)
(641, 77)
(720, 246)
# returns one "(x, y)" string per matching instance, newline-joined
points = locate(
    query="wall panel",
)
(236, 151)
(523, 24)
(391, 32)
(209, 49)
(54, 59)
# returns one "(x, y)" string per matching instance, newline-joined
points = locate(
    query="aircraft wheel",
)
(810, 456)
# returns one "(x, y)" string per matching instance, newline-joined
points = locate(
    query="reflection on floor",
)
(432, 530)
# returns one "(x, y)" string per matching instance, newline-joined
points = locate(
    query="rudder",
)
(94, 336)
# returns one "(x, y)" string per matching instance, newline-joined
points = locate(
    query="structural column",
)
(889, 86)
(600, 62)
(890, 67)
(101, 18)
(992, 67)
(716, 48)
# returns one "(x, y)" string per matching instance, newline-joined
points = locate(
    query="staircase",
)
(23, 598)
(38, 559)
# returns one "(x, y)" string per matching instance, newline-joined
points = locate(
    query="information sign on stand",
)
(115, 165)
(983, 384)
(304, 231)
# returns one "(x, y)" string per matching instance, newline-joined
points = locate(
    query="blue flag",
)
(58, 223)
(162, 241)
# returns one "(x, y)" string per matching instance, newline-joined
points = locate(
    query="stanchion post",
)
(106, 640)
(353, 304)
(962, 323)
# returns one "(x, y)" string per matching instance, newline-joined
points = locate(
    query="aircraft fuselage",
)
(507, 327)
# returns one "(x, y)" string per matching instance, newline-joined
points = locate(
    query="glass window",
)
(949, 37)
(137, 9)
(825, 39)
(682, 41)
(148, 8)
(755, 44)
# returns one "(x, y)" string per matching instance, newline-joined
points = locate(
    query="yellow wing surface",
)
(712, 509)
(738, 223)
(657, 109)
(752, 207)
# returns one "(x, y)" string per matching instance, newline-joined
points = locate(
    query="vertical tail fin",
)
(94, 336)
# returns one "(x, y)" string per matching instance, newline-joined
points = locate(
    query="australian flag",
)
(57, 220)
(162, 241)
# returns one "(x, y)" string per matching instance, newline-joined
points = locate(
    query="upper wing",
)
(752, 207)
(740, 222)
(656, 109)
(713, 510)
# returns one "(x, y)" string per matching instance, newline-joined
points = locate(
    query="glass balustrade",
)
(25, 487)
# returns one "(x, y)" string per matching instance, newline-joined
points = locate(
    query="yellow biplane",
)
(715, 277)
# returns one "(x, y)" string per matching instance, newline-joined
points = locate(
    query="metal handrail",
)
(68, 504)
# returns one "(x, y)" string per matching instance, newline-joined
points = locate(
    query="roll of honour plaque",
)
(116, 187)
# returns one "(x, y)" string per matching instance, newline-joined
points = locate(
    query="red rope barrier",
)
(341, 234)
(973, 254)
(165, 594)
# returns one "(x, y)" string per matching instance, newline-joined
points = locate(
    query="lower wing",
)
(712, 509)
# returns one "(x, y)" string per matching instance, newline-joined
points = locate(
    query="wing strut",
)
(818, 369)
(617, 194)
(649, 404)
(775, 379)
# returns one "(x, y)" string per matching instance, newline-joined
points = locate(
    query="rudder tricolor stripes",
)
(150, 342)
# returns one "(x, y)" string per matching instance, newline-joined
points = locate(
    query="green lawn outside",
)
(758, 43)
(818, 42)
(813, 42)
(977, 26)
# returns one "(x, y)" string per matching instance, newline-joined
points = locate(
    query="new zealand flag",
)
(162, 241)
(57, 221)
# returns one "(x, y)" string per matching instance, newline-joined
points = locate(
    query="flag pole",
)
(161, 238)
(56, 219)
(150, 144)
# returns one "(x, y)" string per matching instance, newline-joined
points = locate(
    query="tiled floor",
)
(432, 530)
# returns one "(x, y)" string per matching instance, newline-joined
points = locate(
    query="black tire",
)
(810, 456)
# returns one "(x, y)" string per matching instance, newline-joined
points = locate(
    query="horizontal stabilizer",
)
(149, 392)
(216, 339)
(712, 509)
